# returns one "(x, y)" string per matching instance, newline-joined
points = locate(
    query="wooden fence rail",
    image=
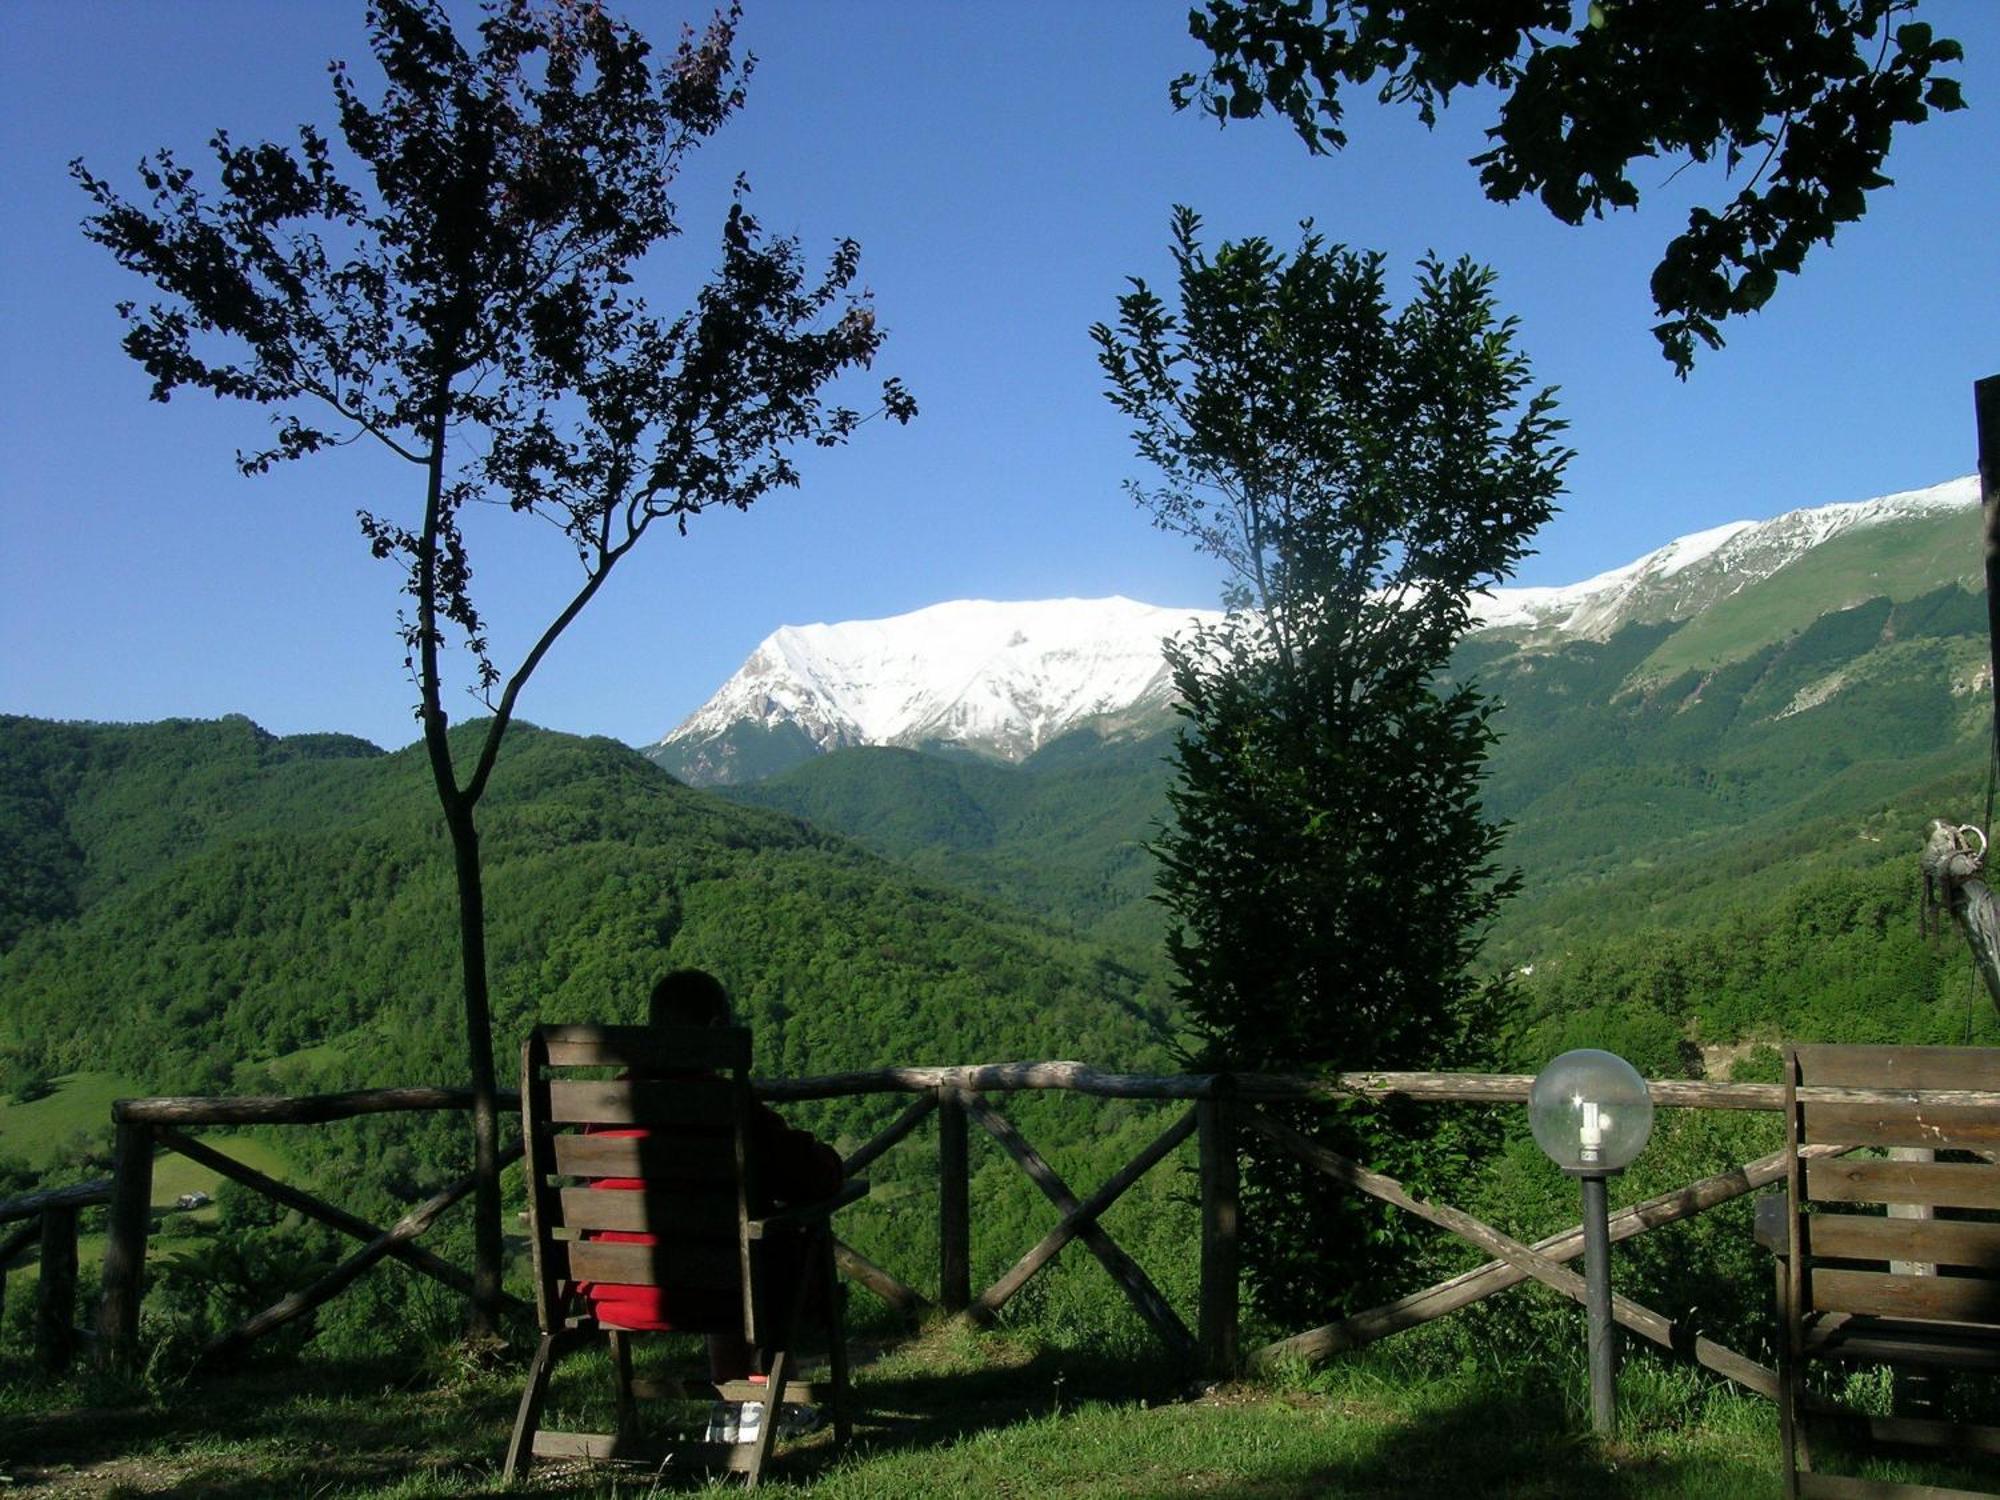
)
(1224, 1107)
(1071, 1077)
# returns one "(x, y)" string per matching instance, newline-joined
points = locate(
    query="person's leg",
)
(730, 1358)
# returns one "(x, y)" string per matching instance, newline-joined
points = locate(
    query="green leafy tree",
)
(1805, 93)
(457, 286)
(1328, 872)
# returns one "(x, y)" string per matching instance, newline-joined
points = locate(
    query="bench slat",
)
(679, 1212)
(1952, 1299)
(1900, 1067)
(1941, 1127)
(643, 1101)
(657, 1158)
(1946, 1242)
(1938, 1183)
(685, 1268)
(652, 1049)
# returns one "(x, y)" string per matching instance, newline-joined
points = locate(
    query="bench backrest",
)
(1845, 1254)
(666, 1109)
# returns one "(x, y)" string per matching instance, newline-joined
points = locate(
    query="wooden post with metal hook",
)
(1986, 414)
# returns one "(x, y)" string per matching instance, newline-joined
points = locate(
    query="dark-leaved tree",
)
(1804, 94)
(457, 285)
(1328, 871)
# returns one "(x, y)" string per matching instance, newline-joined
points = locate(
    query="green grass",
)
(297, 1069)
(79, 1105)
(953, 1414)
(38, 1131)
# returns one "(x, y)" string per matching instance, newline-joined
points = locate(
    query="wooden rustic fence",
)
(1221, 1110)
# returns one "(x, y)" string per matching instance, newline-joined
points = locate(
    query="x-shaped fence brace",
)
(1521, 1258)
(1079, 1220)
(395, 1242)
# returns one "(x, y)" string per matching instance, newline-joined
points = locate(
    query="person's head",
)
(689, 997)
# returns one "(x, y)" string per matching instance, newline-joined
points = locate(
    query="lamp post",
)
(1591, 1115)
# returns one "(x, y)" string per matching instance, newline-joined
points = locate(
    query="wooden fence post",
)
(1220, 1284)
(954, 1205)
(12, 1246)
(1986, 422)
(125, 1247)
(55, 1293)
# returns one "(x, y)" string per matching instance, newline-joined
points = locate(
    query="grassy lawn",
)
(952, 1414)
(80, 1104)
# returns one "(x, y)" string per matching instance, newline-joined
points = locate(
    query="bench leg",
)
(836, 1347)
(521, 1448)
(767, 1433)
(621, 1380)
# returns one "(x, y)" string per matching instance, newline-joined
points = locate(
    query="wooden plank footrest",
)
(1904, 1342)
(598, 1446)
(1924, 1432)
(605, 1447)
(797, 1392)
(1844, 1487)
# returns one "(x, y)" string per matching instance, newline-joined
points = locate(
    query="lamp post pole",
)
(1591, 1114)
(1597, 1304)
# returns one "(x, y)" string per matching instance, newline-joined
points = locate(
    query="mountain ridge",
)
(1002, 680)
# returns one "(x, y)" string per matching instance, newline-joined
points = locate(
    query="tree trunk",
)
(486, 1243)
(457, 804)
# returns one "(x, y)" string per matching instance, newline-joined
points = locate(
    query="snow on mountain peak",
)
(1005, 677)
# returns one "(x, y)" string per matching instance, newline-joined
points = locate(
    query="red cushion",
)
(649, 1309)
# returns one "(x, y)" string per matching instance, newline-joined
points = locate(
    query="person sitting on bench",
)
(795, 1167)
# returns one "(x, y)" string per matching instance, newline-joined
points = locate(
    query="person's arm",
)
(798, 1167)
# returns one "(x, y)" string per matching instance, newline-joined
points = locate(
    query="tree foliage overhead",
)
(1328, 872)
(457, 284)
(469, 296)
(1799, 100)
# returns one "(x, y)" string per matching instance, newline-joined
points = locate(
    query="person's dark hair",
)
(689, 997)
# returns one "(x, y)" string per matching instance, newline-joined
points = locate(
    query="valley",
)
(1718, 843)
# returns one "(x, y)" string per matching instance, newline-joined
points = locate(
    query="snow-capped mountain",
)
(1688, 575)
(1001, 679)
(1005, 679)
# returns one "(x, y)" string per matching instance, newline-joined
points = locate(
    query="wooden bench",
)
(672, 1130)
(1893, 1260)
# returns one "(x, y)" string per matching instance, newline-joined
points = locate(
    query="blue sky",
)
(1005, 167)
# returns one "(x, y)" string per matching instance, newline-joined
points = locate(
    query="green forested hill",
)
(1648, 813)
(207, 908)
(1597, 775)
(86, 809)
(1063, 834)
(203, 899)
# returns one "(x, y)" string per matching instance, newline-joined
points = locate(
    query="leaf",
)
(1756, 287)
(1944, 94)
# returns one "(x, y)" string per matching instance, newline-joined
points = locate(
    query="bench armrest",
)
(802, 1215)
(1773, 1225)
